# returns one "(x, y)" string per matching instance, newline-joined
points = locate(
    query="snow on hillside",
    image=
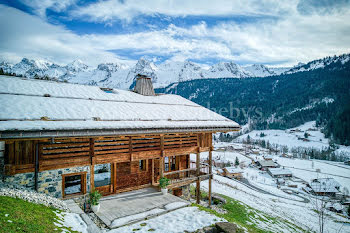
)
(260, 70)
(294, 137)
(298, 212)
(307, 170)
(321, 63)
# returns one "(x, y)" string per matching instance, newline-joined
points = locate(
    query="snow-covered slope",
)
(260, 70)
(321, 63)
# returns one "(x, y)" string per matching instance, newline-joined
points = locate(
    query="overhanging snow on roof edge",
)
(104, 132)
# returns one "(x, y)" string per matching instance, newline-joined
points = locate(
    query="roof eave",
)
(13, 134)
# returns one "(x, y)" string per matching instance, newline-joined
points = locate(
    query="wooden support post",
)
(210, 175)
(92, 150)
(130, 148)
(92, 163)
(161, 160)
(152, 171)
(198, 189)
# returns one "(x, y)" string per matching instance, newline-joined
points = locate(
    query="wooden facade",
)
(135, 161)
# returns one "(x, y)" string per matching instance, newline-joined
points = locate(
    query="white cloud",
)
(24, 35)
(105, 11)
(40, 6)
(292, 38)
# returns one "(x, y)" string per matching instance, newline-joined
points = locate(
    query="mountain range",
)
(318, 90)
(121, 76)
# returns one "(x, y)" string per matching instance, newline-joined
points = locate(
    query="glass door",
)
(103, 178)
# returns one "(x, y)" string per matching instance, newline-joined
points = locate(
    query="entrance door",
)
(103, 178)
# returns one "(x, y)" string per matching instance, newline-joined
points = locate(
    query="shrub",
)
(94, 197)
(163, 182)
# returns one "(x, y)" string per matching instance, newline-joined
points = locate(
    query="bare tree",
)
(320, 200)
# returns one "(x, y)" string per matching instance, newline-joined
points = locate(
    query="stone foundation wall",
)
(186, 192)
(2, 159)
(49, 182)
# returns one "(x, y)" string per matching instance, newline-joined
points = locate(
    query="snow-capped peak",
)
(76, 66)
(227, 70)
(258, 70)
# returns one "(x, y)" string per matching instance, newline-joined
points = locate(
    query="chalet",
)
(67, 139)
(265, 164)
(220, 172)
(334, 207)
(325, 186)
(268, 157)
(233, 172)
(279, 172)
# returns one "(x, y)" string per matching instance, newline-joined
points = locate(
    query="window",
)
(102, 174)
(166, 164)
(142, 165)
(74, 183)
(173, 163)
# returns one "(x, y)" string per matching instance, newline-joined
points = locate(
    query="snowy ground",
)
(73, 221)
(185, 219)
(316, 139)
(335, 170)
(299, 213)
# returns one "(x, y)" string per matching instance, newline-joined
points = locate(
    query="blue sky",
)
(272, 32)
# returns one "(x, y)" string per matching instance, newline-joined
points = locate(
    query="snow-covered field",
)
(327, 169)
(290, 139)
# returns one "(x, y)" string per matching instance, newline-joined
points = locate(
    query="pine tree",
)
(248, 139)
(236, 162)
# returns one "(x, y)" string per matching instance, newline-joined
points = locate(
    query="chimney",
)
(144, 85)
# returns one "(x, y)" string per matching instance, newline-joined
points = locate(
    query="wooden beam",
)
(92, 177)
(210, 176)
(161, 160)
(198, 192)
(152, 171)
(92, 150)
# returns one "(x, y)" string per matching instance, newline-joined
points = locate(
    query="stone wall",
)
(2, 159)
(49, 182)
(186, 192)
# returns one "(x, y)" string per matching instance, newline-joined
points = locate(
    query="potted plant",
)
(163, 183)
(94, 200)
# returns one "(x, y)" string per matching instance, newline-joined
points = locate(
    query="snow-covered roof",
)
(279, 171)
(325, 185)
(337, 206)
(267, 163)
(234, 170)
(36, 105)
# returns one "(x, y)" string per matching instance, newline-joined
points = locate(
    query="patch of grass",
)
(17, 215)
(143, 224)
(246, 217)
(151, 229)
(136, 229)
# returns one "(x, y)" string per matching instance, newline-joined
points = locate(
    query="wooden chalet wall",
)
(70, 152)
